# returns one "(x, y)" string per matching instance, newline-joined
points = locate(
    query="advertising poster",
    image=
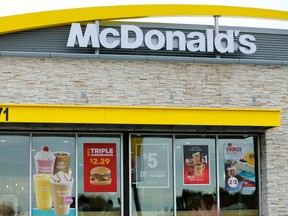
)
(100, 168)
(152, 166)
(53, 183)
(196, 165)
(240, 168)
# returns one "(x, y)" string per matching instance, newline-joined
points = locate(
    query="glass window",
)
(99, 174)
(195, 175)
(181, 174)
(14, 174)
(151, 191)
(238, 175)
(53, 174)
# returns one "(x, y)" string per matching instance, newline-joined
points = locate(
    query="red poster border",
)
(100, 155)
(206, 180)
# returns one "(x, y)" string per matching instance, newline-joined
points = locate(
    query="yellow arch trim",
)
(61, 17)
(144, 115)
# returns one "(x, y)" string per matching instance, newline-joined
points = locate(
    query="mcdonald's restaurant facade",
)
(131, 118)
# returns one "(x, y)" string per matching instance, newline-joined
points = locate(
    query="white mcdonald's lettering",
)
(132, 37)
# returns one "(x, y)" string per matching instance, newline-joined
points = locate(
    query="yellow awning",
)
(79, 114)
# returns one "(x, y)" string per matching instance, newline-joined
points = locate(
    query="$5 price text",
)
(151, 159)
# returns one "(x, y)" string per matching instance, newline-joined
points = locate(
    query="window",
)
(195, 174)
(151, 190)
(14, 174)
(169, 174)
(99, 174)
(53, 174)
(238, 179)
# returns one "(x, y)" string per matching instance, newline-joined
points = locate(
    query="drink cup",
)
(190, 167)
(44, 161)
(44, 166)
(62, 162)
(42, 191)
(198, 171)
(61, 192)
(196, 157)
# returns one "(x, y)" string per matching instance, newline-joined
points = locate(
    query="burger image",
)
(100, 176)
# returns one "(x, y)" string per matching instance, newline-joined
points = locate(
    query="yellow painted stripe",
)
(60, 17)
(138, 115)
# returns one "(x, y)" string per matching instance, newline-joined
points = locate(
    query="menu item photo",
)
(42, 191)
(44, 161)
(61, 188)
(62, 162)
(100, 176)
(53, 182)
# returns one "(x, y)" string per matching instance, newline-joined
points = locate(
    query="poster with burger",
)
(100, 168)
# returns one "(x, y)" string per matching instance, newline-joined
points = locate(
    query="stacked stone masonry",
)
(152, 83)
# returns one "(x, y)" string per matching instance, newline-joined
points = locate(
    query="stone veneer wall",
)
(124, 82)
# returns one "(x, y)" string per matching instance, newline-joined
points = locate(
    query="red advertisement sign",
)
(196, 165)
(100, 168)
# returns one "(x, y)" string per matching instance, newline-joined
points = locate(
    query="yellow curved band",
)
(61, 17)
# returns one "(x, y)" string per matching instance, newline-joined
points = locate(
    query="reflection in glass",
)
(99, 202)
(14, 174)
(151, 190)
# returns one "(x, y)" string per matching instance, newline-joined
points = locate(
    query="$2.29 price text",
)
(99, 161)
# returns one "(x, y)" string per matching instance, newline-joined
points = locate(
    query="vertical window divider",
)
(76, 174)
(30, 174)
(122, 174)
(174, 176)
(130, 180)
(259, 176)
(217, 175)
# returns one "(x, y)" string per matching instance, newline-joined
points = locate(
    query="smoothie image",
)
(44, 161)
(42, 191)
(62, 162)
(61, 184)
